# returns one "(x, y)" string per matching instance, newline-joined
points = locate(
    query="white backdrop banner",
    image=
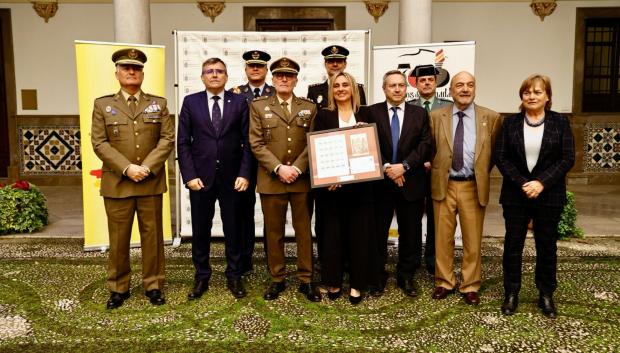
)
(192, 48)
(448, 58)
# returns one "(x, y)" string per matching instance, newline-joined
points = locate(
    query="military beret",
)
(335, 52)
(425, 70)
(129, 56)
(256, 57)
(284, 65)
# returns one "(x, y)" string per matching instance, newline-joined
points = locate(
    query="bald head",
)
(463, 89)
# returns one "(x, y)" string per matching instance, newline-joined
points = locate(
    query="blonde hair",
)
(530, 82)
(355, 92)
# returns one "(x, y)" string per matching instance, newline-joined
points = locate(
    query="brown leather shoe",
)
(471, 298)
(441, 292)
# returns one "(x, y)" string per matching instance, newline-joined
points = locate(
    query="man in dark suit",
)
(278, 128)
(335, 61)
(256, 72)
(405, 141)
(426, 84)
(215, 161)
(133, 134)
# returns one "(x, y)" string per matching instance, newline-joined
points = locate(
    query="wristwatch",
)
(406, 165)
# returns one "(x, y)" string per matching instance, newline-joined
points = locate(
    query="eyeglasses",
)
(214, 71)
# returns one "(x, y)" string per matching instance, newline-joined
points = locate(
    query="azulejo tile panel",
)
(50, 150)
(601, 147)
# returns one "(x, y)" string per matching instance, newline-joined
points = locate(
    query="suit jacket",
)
(318, 94)
(414, 146)
(277, 140)
(556, 158)
(121, 138)
(201, 150)
(488, 124)
(246, 91)
(437, 103)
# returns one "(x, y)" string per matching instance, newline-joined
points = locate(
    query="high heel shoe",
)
(355, 300)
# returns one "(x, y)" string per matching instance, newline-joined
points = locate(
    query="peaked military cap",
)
(425, 70)
(256, 57)
(335, 52)
(284, 65)
(129, 56)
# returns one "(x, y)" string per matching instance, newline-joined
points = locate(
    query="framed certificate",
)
(344, 156)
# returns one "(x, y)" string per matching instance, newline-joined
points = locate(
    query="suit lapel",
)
(481, 131)
(518, 133)
(446, 124)
(384, 122)
(407, 124)
(204, 107)
(226, 107)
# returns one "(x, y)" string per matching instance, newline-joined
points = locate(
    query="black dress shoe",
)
(334, 295)
(511, 301)
(545, 302)
(355, 300)
(274, 290)
(375, 291)
(156, 297)
(236, 288)
(407, 286)
(199, 288)
(116, 299)
(311, 291)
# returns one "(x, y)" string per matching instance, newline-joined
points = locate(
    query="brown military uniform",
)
(119, 139)
(277, 140)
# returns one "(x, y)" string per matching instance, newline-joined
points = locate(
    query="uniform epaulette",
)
(260, 98)
(306, 99)
(153, 96)
(316, 84)
(107, 96)
(236, 90)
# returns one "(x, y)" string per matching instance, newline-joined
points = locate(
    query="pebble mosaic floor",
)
(52, 298)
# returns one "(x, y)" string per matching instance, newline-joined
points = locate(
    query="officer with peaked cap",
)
(256, 72)
(133, 134)
(278, 128)
(335, 61)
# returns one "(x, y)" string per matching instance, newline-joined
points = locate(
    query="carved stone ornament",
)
(376, 8)
(211, 9)
(543, 8)
(45, 9)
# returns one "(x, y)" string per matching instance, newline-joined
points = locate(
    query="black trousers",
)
(409, 218)
(203, 210)
(429, 248)
(546, 221)
(248, 232)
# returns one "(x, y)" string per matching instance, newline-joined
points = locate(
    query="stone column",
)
(132, 21)
(414, 22)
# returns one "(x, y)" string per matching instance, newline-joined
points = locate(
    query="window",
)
(601, 70)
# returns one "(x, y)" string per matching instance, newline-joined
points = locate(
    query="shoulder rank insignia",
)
(236, 90)
(260, 98)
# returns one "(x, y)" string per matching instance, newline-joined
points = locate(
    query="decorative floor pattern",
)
(601, 147)
(50, 150)
(56, 302)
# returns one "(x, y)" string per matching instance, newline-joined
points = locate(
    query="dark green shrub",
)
(23, 208)
(567, 228)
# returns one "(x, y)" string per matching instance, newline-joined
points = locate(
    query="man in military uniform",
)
(335, 61)
(278, 127)
(426, 84)
(133, 134)
(256, 72)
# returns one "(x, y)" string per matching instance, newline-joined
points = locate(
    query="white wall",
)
(45, 54)
(511, 43)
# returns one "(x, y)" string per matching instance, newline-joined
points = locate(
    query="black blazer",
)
(414, 146)
(321, 89)
(556, 158)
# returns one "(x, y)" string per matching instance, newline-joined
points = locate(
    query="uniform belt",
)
(463, 178)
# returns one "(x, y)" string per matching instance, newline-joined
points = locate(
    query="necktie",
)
(256, 92)
(457, 159)
(395, 133)
(427, 106)
(216, 114)
(287, 115)
(133, 106)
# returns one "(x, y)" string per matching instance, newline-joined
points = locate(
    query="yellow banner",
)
(95, 77)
